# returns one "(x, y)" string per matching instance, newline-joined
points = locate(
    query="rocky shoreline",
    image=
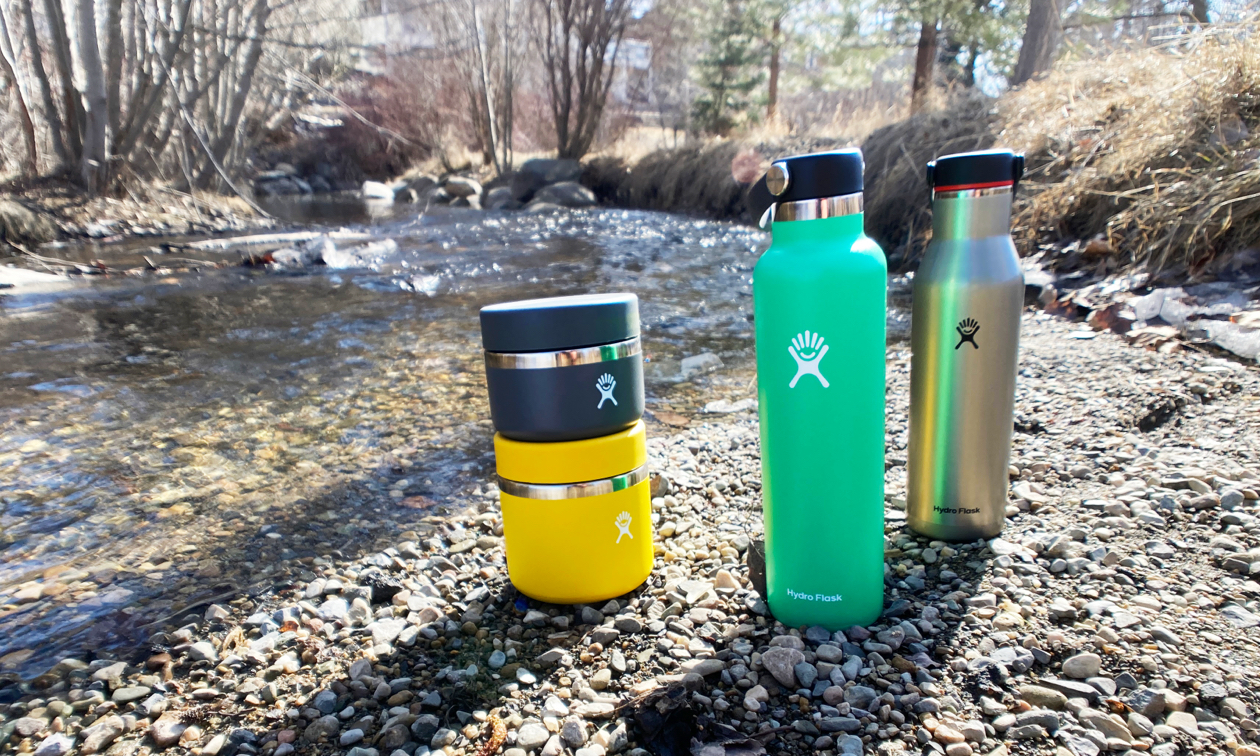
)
(538, 185)
(1117, 612)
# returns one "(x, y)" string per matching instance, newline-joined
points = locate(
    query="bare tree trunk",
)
(227, 134)
(577, 36)
(776, 43)
(509, 84)
(113, 66)
(90, 81)
(51, 117)
(9, 64)
(62, 55)
(154, 87)
(924, 62)
(1041, 41)
(487, 97)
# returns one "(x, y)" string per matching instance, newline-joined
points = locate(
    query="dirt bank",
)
(49, 210)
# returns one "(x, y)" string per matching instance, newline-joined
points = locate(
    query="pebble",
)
(202, 651)
(99, 735)
(55, 744)
(781, 663)
(1082, 666)
(532, 736)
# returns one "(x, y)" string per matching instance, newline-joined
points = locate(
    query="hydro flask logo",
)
(606, 384)
(808, 350)
(623, 525)
(967, 333)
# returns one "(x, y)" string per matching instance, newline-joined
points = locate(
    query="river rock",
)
(780, 662)
(1082, 666)
(539, 172)
(56, 744)
(202, 651)
(458, 186)
(500, 198)
(860, 696)
(1043, 697)
(566, 194)
(103, 732)
(324, 727)
(532, 736)
(375, 190)
(167, 730)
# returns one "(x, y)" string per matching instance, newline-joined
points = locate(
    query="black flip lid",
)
(546, 325)
(975, 170)
(823, 174)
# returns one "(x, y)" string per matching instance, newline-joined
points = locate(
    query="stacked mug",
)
(565, 377)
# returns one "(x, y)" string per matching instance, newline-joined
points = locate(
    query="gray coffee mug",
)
(564, 368)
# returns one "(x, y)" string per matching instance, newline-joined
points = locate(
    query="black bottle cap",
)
(804, 177)
(548, 325)
(975, 170)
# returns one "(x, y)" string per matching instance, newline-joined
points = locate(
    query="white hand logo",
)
(606, 384)
(808, 350)
(623, 525)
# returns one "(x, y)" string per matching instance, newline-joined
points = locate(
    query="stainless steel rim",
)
(564, 358)
(574, 490)
(988, 192)
(819, 207)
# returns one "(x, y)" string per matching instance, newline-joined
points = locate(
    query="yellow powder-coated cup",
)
(577, 515)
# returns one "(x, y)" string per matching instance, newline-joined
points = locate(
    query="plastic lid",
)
(546, 325)
(804, 177)
(975, 170)
(562, 462)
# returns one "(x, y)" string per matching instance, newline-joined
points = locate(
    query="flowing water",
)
(172, 439)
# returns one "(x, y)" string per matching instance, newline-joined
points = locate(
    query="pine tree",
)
(730, 70)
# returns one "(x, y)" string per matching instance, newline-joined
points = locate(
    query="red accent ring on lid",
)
(966, 187)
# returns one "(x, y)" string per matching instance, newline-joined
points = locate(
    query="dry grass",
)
(898, 210)
(1151, 156)
(1145, 159)
(695, 179)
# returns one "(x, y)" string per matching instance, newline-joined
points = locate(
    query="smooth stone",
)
(56, 744)
(350, 737)
(102, 732)
(202, 651)
(1042, 697)
(532, 736)
(129, 694)
(1082, 666)
(1183, 721)
(167, 731)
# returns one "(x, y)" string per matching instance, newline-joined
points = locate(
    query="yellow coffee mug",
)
(577, 515)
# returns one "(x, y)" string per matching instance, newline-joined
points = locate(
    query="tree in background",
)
(121, 89)
(673, 31)
(578, 41)
(483, 41)
(730, 70)
(1041, 40)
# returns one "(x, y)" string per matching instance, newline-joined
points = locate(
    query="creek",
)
(170, 440)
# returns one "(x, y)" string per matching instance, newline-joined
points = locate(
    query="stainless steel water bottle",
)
(968, 295)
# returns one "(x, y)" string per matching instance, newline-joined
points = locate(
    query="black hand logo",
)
(967, 333)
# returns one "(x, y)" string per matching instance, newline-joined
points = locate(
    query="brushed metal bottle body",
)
(968, 298)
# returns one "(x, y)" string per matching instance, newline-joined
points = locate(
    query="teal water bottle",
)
(819, 300)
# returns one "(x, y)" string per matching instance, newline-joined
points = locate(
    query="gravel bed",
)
(1117, 612)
